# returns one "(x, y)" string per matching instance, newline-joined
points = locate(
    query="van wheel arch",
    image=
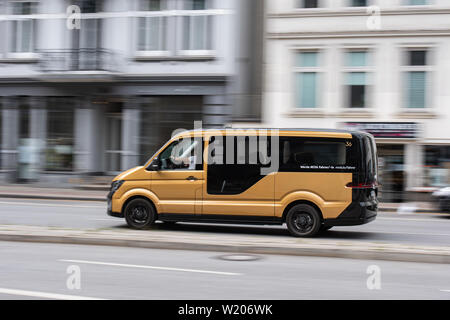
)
(292, 204)
(138, 197)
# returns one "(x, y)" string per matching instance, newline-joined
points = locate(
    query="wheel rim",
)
(139, 215)
(303, 222)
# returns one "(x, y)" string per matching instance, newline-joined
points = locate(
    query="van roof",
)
(325, 132)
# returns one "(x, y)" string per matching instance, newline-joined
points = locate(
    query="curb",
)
(47, 197)
(420, 256)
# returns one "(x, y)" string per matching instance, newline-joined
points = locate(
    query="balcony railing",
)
(71, 60)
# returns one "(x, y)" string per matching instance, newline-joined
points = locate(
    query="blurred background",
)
(89, 88)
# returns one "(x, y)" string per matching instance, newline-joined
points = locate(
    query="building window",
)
(152, 30)
(416, 79)
(307, 79)
(160, 116)
(356, 89)
(196, 28)
(60, 134)
(151, 5)
(416, 2)
(437, 166)
(356, 79)
(90, 6)
(306, 4)
(183, 28)
(358, 3)
(22, 29)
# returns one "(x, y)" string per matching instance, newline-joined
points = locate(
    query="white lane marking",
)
(49, 204)
(46, 295)
(445, 290)
(151, 267)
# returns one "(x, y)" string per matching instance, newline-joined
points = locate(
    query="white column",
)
(10, 135)
(330, 83)
(85, 137)
(131, 114)
(414, 161)
(38, 132)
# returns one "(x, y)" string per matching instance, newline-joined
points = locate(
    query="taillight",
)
(373, 185)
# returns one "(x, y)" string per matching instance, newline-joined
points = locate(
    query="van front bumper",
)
(109, 209)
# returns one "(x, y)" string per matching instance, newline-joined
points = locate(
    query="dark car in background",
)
(442, 196)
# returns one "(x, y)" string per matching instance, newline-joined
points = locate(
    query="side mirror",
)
(155, 165)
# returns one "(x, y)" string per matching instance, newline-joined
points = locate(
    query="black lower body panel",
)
(356, 214)
(115, 214)
(226, 219)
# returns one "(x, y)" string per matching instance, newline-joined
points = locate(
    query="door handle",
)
(191, 178)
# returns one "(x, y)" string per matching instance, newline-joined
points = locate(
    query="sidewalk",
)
(235, 243)
(30, 192)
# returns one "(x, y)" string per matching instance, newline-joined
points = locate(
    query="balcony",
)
(78, 64)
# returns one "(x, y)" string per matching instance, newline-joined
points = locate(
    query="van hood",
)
(127, 174)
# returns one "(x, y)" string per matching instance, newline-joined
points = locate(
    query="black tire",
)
(139, 213)
(303, 220)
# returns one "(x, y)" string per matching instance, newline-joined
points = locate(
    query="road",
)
(422, 229)
(132, 273)
(39, 271)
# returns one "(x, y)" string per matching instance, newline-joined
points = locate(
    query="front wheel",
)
(139, 213)
(303, 220)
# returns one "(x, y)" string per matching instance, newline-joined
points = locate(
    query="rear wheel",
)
(303, 220)
(139, 213)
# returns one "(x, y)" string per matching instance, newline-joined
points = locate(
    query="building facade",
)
(96, 86)
(376, 65)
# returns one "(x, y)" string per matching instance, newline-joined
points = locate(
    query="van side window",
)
(309, 154)
(183, 154)
(234, 163)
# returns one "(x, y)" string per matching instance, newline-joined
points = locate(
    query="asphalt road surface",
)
(42, 271)
(421, 229)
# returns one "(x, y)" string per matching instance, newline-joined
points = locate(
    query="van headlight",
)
(115, 185)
